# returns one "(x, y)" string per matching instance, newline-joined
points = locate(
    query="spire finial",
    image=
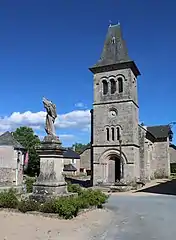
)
(110, 23)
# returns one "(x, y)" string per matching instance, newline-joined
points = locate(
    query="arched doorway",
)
(115, 169)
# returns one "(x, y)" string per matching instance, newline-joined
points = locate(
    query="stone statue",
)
(50, 117)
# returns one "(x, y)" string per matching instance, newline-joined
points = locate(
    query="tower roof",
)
(7, 138)
(161, 131)
(69, 153)
(114, 51)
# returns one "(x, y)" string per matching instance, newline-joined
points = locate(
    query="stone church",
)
(121, 148)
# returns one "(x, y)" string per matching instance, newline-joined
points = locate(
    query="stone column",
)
(50, 181)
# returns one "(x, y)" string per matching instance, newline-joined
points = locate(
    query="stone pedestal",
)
(50, 182)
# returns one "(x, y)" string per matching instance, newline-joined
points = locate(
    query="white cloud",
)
(80, 105)
(79, 119)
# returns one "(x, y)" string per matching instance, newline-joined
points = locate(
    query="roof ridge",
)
(8, 138)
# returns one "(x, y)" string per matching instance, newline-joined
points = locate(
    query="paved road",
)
(140, 217)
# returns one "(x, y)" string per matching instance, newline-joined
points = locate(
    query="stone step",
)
(102, 188)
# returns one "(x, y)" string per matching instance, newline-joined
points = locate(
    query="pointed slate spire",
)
(114, 50)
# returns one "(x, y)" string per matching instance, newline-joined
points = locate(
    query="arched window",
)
(120, 83)
(107, 134)
(118, 133)
(112, 131)
(113, 86)
(105, 87)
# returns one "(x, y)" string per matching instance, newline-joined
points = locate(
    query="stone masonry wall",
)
(162, 159)
(18, 165)
(142, 133)
(7, 176)
(130, 157)
(85, 161)
(125, 106)
(76, 163)
(149, 161)
(127, 111)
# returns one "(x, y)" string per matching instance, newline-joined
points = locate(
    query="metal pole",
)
(91, 147)
(121, 170)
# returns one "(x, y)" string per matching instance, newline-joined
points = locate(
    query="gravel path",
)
(130, 216)
(18, 226)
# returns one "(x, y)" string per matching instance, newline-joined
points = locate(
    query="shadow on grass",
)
(168, 188)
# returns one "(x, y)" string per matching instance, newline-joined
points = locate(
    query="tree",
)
(26, 136)
(79, 147)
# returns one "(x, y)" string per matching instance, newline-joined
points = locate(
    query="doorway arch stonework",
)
(108, 162)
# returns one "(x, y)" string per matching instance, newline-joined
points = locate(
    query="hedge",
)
(29, 184)
(66, 207)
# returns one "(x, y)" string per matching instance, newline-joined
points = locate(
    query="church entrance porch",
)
(115, 169)
(111, 167)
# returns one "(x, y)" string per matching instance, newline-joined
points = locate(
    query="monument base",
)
(43, 191)
(50, 188)
(50, 182)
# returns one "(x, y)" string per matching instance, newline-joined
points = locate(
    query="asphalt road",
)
(140, 217)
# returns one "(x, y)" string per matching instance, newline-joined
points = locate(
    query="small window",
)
(73, 161)
(112, 129)
(105, 87)
(107, 134)
(88, 172)
(120, 83)
(118, 133)
(113, 86)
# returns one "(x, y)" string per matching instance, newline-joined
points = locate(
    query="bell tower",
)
(115, 112)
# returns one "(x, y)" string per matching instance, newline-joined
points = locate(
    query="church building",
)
(121, 148)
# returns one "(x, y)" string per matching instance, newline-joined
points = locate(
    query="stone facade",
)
(71, 162)
(154, 156)
(74, 162)
(50, 181)
(85, 160)
(11, 166)
(123, 149)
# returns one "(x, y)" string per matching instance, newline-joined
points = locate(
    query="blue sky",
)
(46, 47)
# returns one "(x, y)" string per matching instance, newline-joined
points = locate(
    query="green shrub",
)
(172, 176)
(81, 202)
(28, 205)
(93, 197)
(29, 184)
(67, 207)
(8, 199)
(74, 188)
(173, 168)
(48, 206)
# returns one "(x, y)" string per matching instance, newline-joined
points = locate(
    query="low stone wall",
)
(18, 189)
(6, 175)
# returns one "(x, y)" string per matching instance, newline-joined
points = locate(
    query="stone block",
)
(50, 181)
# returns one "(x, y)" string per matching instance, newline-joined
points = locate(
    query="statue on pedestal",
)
(50, 117)
(50, 182)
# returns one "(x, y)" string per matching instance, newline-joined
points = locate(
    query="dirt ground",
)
(18, 226)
